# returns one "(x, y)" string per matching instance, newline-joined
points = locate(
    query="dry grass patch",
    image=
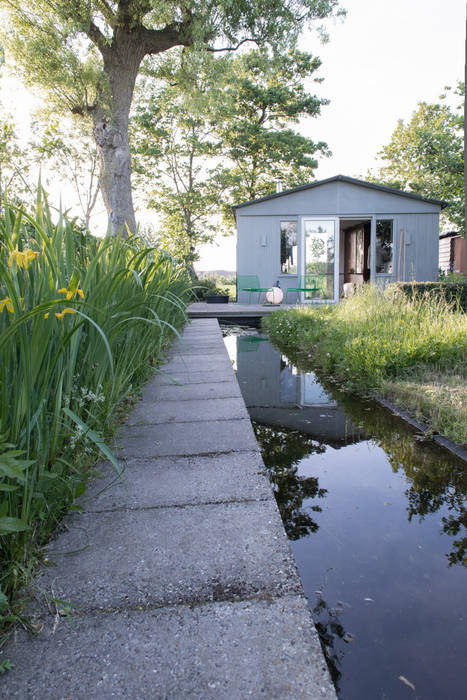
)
(436, 397)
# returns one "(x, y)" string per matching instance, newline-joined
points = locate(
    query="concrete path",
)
(179, 582)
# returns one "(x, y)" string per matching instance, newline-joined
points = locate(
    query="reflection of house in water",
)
(277, 395)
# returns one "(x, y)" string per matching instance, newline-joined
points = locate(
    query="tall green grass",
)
(375, 335)
(81, 320)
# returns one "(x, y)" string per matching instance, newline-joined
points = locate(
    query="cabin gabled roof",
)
(342, 178)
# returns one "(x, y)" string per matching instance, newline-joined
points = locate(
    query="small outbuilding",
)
(320, 236)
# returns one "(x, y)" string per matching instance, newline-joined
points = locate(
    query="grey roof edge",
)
(451, 234)
(342, 178)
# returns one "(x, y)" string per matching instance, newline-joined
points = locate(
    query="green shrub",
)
(206, 288)
(454, 292)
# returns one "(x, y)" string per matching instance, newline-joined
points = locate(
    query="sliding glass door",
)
(321, 259)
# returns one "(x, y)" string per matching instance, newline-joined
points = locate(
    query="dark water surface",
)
(377, 523)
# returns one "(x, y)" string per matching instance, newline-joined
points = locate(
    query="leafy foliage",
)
(174, 144)
(81, 322)
(454, 293)
(265, 96)
(426, 156)
(87, 54)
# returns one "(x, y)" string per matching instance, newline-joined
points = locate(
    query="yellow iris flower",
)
(65, 311)
(8, 303)
(70, 293)
(22, 258)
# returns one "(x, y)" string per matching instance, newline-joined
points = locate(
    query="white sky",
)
(385, 57)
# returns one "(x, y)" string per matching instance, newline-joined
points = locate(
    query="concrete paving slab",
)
(163, 556)
(153, 392)
(191, 363)
(170, 481)
(204, 351)
(187, 411)
(204, 437)
(148, 565)
(199, 337)
(178, 377)
(250, 649)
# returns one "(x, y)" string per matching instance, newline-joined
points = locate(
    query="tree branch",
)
(157, 40)
(108, 13)
(95, 34)
(233, 48)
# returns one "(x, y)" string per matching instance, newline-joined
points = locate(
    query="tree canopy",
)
(264, 98)
(426, 156)
(87, 54)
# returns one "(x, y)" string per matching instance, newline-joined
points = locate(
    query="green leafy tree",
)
(70, 152)
(174, 149)
(15, 162)
(426, 156)
(265, 98)
(87, 55)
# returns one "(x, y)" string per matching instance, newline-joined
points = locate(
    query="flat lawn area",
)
(413, 351)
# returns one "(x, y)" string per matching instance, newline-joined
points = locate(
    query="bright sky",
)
(385, 57)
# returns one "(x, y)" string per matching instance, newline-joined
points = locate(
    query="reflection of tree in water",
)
(437, 479)
(330, 631)
(282, 450)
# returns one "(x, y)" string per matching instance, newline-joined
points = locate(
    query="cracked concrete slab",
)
(193, 377)
(250, 649)
(169, 481)
(164, 556)
(188, 410)
(202, 437)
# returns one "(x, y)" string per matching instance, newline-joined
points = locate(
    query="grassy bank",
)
(81, 321)
(414, 351)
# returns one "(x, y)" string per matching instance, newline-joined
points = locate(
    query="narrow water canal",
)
(377, 521)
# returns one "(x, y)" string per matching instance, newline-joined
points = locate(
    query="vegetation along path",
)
(179, 581)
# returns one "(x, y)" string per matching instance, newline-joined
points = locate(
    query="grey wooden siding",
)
(258, 229)
(445, 254)
(337, 198)
(258, 251)
(421, 249)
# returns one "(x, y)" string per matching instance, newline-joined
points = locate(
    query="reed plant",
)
(81, 320)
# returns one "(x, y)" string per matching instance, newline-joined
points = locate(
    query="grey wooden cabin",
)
(337, 231)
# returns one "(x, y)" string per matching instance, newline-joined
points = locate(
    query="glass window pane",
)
(384, 246)
(319, 258)
(289, 247)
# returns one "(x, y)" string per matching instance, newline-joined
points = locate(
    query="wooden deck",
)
(201, 309)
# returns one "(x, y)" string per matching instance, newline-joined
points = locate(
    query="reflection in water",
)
(282, 450)
(364, 503)
(436, 480)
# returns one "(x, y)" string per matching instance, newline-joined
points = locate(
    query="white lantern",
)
(274, 295)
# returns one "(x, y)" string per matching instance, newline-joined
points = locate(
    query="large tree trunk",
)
(111, 131)
(116, 177)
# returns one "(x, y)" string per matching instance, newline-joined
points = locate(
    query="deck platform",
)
(201, 309)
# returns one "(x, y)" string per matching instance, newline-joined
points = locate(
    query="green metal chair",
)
(250, 283)
(305, 284)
